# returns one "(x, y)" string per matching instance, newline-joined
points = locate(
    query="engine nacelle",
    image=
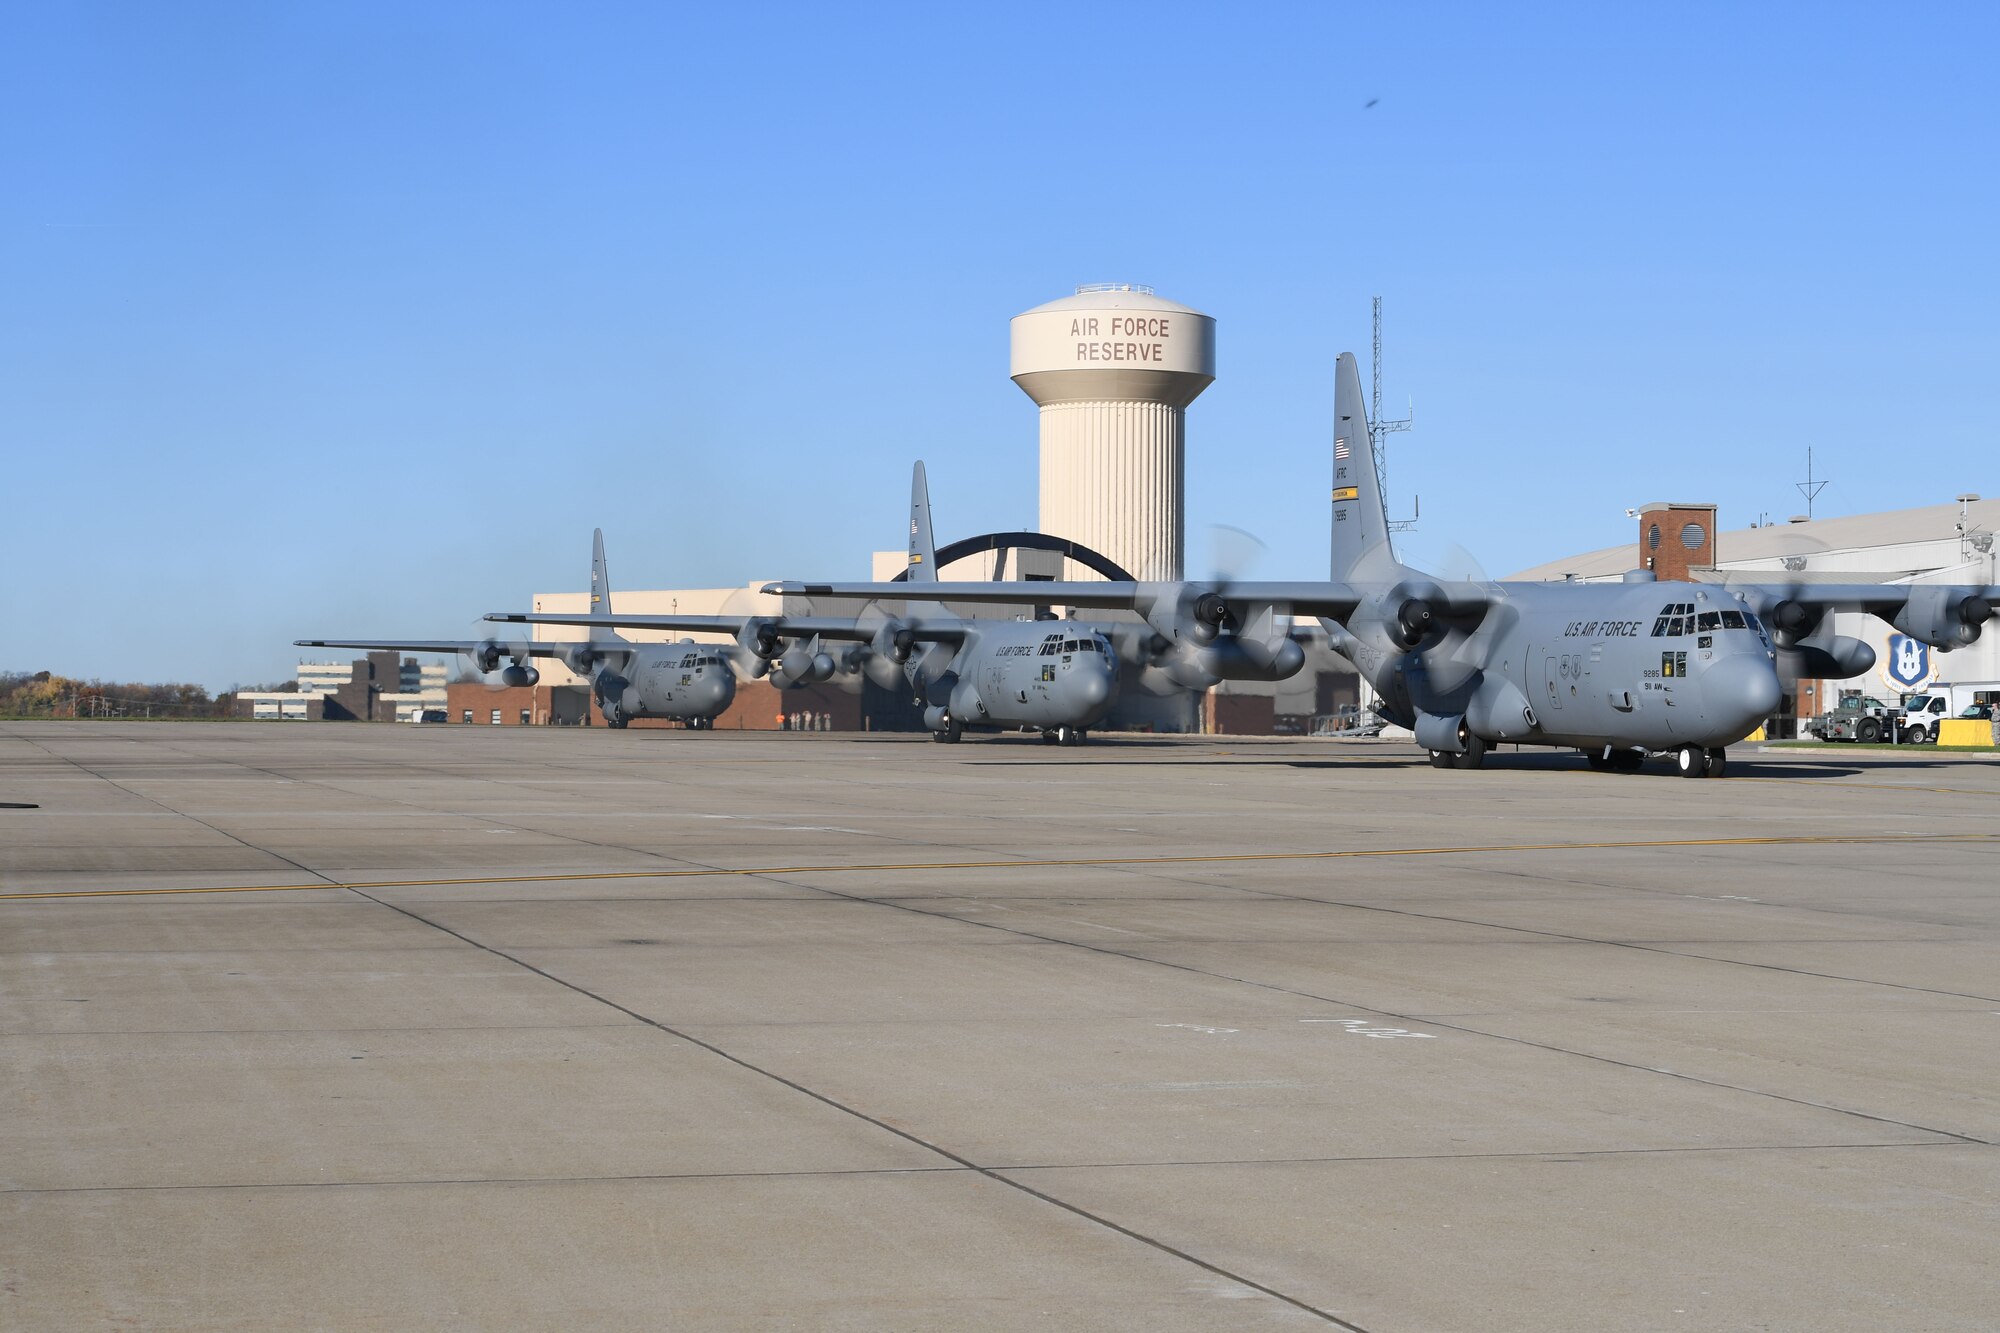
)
(1209, 613)
(1234, 659)
(761, 639)
(1414, 619)
(894, 642)
(487, 656)
(1836, 657)
(1793, 621)
(1442, 733)
(800, 665)
(517, 675)
(1941, 619)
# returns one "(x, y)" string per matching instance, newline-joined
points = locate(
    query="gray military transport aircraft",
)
(1057, 676)
(687, 681)
(1619, 671)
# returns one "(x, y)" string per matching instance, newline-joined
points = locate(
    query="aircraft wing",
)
(1034, 593)
(1304, 598)
(791, 627)
(470, 647)
(1882, 599)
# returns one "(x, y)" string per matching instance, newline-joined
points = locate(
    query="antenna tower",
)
(1810, 488)
(1377, 428)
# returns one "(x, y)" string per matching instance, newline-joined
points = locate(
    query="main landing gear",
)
(1473, 756)
(950, 733)
(1064, 735)
(1615, 761)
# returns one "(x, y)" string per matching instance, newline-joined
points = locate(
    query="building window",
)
(1692, 536)
(468, 716)
(496, 717)
(1653, 538)
(524, 717)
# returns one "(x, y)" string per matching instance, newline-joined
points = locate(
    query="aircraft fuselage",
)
(1022, 673)
(683, 682)
(1629, 666)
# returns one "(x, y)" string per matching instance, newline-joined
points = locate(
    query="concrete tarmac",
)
(348, 1026)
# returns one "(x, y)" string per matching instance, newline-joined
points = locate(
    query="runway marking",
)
(893, 867)
(1365, 1027)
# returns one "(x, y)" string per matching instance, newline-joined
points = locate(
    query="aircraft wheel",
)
(620, 724)
(1691, 761)
(1049, 737)
(1597, 760)
(951, 734)
(1066, 736)
(1474, 755)
(1440, 759)
(1717, 763)
(1082, 736)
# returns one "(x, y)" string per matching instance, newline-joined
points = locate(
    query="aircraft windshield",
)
(1732, 620)
(1675, 619)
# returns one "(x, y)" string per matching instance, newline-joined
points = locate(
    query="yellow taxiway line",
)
(895, 867)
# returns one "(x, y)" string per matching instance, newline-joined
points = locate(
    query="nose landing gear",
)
(1691, 761)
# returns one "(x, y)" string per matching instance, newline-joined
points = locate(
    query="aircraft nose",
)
(1096, 685)
(1741, 688)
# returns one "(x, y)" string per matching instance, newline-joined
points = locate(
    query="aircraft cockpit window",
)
(1709, 620)
(1069, 645)
(1660, 626)
(1732, 620)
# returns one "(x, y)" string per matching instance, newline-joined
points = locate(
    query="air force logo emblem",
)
(1909, 662)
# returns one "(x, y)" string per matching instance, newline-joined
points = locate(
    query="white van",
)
(1945, 699)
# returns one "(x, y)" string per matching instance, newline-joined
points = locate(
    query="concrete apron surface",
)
(323, 1025)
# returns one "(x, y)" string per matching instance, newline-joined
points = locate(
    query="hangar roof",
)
(1897, 527)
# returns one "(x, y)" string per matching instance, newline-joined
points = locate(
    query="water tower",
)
(1113, 369)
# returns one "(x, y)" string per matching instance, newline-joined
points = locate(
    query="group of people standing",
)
(806, 721)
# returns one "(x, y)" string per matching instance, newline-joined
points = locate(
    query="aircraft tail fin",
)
(600, 585)
(923, 550)
(1360, 520)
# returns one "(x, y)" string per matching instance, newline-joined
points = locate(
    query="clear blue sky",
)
(353, 319)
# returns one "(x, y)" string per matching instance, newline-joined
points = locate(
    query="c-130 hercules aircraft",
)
(685, 682)
(1058, 676)
(1619, 671)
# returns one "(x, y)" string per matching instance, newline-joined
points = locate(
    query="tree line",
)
(47, 694)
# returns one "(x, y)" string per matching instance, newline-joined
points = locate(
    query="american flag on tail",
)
(1339, 449)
